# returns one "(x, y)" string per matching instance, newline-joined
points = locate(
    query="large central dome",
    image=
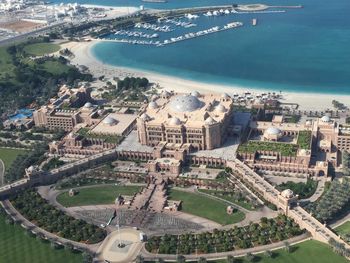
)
(185, 103)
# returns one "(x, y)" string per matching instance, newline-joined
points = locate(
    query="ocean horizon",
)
(302, 50)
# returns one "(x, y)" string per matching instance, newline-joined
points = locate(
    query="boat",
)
(254, 22)
(154, 1)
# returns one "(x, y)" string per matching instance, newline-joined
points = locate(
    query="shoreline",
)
(84, 56)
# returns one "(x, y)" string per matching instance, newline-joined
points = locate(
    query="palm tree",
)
(230, 259)
(180, 259)
(139, 259)
(268, 253)
(250, 257)
(287, 246)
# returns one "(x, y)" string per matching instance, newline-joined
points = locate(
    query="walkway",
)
(298, 214)
(238, 253)
(318, 192)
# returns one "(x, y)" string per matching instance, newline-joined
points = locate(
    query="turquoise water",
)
(22, 114)
(303, 50)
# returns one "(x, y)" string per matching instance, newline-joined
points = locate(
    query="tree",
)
(139, 259)
(287, 246)
(268, 253)
(250, 257)
(230, 259)
(87, 258)
(202, 260)
(180, 259)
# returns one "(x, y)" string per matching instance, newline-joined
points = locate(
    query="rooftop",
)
(187, 109)
(114, 123)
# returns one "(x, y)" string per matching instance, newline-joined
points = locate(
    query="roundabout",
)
(120, 246)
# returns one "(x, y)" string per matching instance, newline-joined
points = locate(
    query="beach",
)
(84, 56)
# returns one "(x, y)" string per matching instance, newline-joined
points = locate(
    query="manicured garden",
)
(40, 49)
(343, 229)
(333, 202)
(9, 155)
(16, 246)
(97, 195)
(36, 209)
(24, 80)
(304, 140)
(265, 232)
(231, 196)
(108, 138)
(304, 190)
(310, 251)
(285, 149)
(206, 207)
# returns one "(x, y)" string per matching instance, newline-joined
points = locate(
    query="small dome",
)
(88, 105)
(225, 96)
(220, 108)
(210, 121)
(303, 152)
(154, 97)
(145, 117)
(287, 193)
(185, 103)
(153, 105)
(273, 131)
(174, 121)
(165, 93)
(109, 120)
(195, 93)
(325, 119)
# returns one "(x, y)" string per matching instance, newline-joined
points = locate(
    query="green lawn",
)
(244, 204)
(17, 247)
(55, 67)
(40, 49)
(307, 252)
(205, 207)
(343, 229)
(96, 195)
(6, 66)
(9, 155)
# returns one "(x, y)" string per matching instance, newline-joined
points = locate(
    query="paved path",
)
(29, 225)
(340, 221)
(318, 192)
(223, 255)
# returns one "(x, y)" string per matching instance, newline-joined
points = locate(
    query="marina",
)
(173, 40)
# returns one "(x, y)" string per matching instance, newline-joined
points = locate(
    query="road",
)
(223, 255)
(34, 33)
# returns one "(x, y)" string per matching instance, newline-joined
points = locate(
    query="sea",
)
(301, 50)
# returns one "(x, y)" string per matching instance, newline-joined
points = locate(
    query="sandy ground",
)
(83, 56)
(112, 11)
(20, 26)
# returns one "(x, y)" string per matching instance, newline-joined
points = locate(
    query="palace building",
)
(200, 121)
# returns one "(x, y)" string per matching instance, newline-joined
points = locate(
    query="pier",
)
(173, 40)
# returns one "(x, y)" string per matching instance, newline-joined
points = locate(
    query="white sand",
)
(113, 11)
(83, 56)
